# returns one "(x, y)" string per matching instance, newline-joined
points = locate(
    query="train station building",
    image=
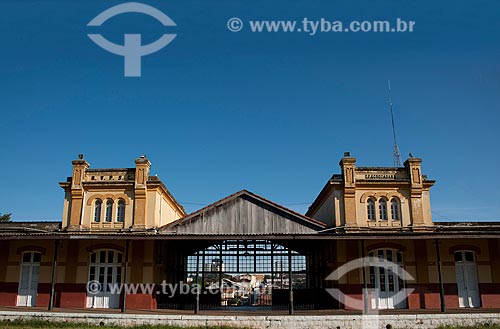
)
(122, 225)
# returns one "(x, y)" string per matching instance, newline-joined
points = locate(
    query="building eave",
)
(155, 182)
(320, 198)
(326, 236)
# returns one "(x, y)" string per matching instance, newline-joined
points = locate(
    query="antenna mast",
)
(397, 156)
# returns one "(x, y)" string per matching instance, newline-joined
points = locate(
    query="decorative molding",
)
(386, 245)
(105, 246)
(378, 195)
(39, 249)
(466, 247)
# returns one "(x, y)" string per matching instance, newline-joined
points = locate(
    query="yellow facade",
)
(344, 200)
(136, 200)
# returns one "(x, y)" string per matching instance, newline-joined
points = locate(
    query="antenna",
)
(397, 156)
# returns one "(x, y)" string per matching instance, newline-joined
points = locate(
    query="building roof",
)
(267, 210)
(52, 230)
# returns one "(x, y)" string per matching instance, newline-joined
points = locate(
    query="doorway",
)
(106, 270)
(466, 274)
(28, 279)
(386, 278)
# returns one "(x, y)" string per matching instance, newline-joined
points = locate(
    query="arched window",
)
(109, 210)
(370, 209)
(97, 210)
(120, 213)
(382, 207)
(395, 209)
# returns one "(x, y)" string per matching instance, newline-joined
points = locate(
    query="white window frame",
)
(395, 213)
(120, 211)
(467, 280)
(106, 273)
(382, 297)
(97, 213)
(382, 210)
(108, 211)
(27, 295)
(371, 212)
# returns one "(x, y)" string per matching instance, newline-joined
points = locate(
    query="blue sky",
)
(217, 111)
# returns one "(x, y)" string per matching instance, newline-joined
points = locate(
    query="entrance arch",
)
(247, 273)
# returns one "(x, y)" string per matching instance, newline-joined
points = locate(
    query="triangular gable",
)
(245, 213)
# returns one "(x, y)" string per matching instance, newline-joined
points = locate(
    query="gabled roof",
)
(245, 213)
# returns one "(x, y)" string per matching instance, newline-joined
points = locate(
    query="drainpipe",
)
(53, 278)
(440, 275)
(365, 284)
(220, 271)
(290, 282)
(124, 301)
(198, 287)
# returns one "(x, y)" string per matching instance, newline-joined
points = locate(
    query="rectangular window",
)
(92, 273)
(382, 278)
(102, 256)
(372, 277)
(399, 257)
(389, 255)
(383, 212)
(390, 276)
(469, 256)
(27, 257)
